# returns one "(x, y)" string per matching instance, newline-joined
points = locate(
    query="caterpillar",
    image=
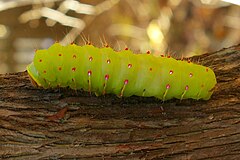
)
(105, 71)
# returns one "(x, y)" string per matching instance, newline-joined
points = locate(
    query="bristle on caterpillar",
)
(105, 71)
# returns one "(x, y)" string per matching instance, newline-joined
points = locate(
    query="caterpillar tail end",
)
(33, 74)
(212, 85)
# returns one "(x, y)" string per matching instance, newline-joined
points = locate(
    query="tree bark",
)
(107, 127)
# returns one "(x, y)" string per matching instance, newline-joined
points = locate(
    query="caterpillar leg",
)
(123, 88)
(75, 85)
(199, 93)
(165, 93)
(185, 91)
(105, 84)
(143, 94)
(214, 88)
(33, 82)
(89, 81)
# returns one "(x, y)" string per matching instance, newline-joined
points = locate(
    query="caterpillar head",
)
(33, 75)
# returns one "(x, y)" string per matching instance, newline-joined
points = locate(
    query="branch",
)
(129, 128)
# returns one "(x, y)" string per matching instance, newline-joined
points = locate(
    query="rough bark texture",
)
(129, 128)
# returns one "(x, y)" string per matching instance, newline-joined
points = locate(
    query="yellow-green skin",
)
(103, 71)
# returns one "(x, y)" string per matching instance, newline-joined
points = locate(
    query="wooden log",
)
(128, 128)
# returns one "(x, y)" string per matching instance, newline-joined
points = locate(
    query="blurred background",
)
(178, 27)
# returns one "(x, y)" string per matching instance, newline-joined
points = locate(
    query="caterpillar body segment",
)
(105, 71)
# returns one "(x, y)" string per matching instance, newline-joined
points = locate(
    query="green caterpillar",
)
(105, 71)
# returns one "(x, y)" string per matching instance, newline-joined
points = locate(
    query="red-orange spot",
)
(108, 61)
(40, 60)
(59, 68)
(182, 57)
(190, 75)
(74, 69)
(126, 81)
(44, 71)
(89, 73)
(168, 86)
(129, 65)
(150, 69)
(168, 56)
(74, 56)
(107, 76)
(171, 72)
(59, 54)
(126, 48)
(90, 59)
(186, 87)
(189, 61)
(148, 52)
(206, 69)
(162, 55)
